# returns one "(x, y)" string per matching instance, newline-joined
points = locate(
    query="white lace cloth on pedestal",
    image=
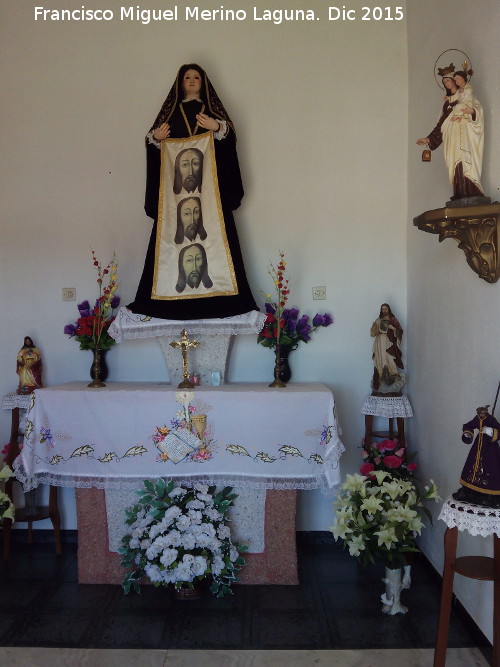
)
(387, 406)
(475, 519)
(132, 325)
(13, 400)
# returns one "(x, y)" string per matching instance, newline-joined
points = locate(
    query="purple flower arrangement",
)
(293, 329)
(84, 329)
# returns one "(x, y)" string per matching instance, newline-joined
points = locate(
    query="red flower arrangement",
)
(91, 328)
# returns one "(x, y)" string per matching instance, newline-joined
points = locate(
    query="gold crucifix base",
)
(185, 384)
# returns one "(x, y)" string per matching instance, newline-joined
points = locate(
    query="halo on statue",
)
(451, 60)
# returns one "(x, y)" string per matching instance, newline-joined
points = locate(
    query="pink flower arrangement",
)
(387, 455)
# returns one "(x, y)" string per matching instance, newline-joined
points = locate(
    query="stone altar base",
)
(277, 564)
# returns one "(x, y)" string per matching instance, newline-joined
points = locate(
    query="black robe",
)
(231, 193)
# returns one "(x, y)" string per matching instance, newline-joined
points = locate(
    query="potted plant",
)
(284, 328)
(91, 328)
(378, 516)
(179, 536)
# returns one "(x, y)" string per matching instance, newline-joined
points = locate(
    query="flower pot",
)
(194, 593)
(281, 359)
(393, 586)
(285, 373)
(99, 368)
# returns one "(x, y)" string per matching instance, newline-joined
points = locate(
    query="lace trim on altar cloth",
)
(242, 481)
(387, 406)
(129, 325)
(475, 519)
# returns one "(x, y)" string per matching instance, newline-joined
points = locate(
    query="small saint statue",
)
(480, 479)
(387, 379)
(29, 367)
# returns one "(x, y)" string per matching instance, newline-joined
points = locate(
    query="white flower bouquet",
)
(179, 535)
(377, 516)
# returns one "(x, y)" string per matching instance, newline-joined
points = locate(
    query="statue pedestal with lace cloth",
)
(389, 407)
(476, 520)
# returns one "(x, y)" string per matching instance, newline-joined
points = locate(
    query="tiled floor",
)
(335, 608)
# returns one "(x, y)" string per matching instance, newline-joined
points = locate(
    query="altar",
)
(273, 441)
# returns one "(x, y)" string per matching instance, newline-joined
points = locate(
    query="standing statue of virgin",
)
(194, 267)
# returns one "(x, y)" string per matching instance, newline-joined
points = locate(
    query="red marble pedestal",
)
(277, 564)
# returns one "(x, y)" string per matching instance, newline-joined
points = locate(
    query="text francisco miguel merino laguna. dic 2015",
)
(195, 13)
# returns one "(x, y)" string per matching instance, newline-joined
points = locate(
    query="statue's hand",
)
(207, 123)
(162, 132)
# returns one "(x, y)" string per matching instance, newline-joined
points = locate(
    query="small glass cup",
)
(216, 379)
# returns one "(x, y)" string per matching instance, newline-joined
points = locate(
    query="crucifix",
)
(184, 343)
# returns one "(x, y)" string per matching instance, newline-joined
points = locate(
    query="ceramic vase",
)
(393, 581)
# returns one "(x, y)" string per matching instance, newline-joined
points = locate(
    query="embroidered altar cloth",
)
(238, 434)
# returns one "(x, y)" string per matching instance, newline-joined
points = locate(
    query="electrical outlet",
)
(319, 293)
(69, 293)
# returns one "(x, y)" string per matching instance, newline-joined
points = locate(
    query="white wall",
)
(453, 315)
(320, 110)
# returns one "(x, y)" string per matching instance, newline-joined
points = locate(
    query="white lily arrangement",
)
(7, 509)
(179, 535)
(378, 516)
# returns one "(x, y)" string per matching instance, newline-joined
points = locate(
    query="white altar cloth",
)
(117, 436)
(131, 325)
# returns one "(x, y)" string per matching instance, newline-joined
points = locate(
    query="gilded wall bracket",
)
(476, 230)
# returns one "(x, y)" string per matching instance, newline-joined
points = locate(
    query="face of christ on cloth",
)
(193, 268)
(189, 220)
(188, 170)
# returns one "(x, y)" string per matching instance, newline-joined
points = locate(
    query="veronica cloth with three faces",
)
(192, 256)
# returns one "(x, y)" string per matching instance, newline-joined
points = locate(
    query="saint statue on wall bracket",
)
(460, 129)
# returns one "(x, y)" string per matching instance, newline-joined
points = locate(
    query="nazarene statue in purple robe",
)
(480, 479)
